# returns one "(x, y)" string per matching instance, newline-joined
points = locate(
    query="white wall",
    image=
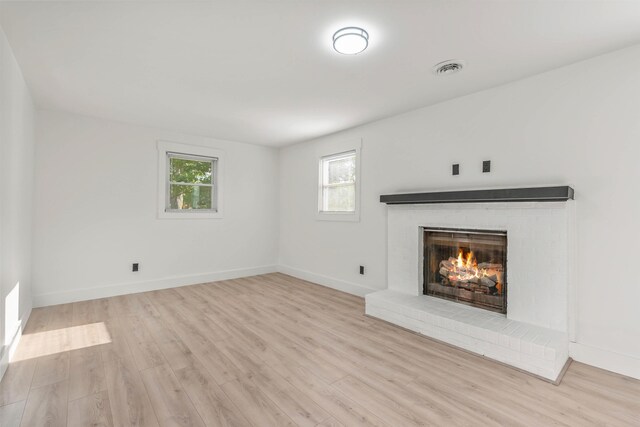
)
(16, 194)
(579, 125)
(96, 213)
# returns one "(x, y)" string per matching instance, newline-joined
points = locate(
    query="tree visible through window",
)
(191, 182)
(338, 176)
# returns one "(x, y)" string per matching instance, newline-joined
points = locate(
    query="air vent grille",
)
(448, 67)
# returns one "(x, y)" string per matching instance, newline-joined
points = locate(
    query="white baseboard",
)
(330, 282)
(74, 295)
(622, 364)
(6, 352)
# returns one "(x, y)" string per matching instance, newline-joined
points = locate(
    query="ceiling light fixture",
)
(350, 40)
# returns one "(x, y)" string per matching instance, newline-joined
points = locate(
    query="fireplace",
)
(466, 266)
(531, 327)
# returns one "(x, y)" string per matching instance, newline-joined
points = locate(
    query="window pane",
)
(340, 199)
(341, 170)
(190, 171)
(190, 197)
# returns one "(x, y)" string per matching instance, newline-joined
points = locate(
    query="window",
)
(190, 181)
(339, 182)
(191, 184)
(338, 186)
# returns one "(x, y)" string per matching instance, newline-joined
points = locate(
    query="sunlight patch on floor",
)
(59, 340)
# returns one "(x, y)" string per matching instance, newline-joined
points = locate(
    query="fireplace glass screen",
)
(467, 266)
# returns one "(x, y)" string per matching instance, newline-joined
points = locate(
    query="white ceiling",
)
(264, 71)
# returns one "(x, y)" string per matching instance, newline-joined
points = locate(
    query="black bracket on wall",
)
(486, 166)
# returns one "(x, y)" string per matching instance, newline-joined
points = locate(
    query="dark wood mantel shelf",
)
(534, 194)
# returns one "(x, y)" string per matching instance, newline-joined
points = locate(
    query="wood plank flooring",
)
(273, 350)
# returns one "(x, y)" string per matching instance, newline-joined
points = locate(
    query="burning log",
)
(448, 264)
(464, 272)
(485, 281)
(492, 277)
(489, 265)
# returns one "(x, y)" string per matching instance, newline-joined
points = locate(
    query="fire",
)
(465, 267)
(468, 262)
(465, 271)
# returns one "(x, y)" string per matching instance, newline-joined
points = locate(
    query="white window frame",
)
(197, 152)
(332, 149)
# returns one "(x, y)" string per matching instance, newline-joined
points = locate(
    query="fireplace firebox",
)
(467, 266)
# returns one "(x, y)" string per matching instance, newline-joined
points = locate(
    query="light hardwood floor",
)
(272, 350)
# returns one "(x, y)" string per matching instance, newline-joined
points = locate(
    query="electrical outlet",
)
(455, 169)
(486, 166)
(362, 269)
(135, 267)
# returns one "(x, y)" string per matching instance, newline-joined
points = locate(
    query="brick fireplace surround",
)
(534, 335)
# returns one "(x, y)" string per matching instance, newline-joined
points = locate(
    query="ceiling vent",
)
(451, 66)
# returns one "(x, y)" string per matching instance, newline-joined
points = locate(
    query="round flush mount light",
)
(350, 40)
(451, 66)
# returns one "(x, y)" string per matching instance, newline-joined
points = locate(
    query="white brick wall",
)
(537, 252)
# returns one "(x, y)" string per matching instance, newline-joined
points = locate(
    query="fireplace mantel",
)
(533, 194)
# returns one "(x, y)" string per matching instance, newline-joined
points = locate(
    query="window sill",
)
(338, 216)
(189, 215)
